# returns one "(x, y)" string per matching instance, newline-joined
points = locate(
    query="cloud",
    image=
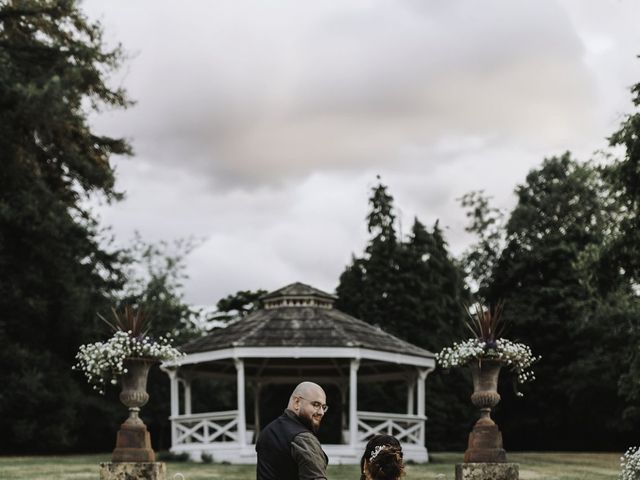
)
(250, 94)
(260, 126)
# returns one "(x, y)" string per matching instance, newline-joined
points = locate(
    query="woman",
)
(382, 459)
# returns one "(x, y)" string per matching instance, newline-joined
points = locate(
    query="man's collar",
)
(292, 415)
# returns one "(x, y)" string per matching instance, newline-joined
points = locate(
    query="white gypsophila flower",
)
(516, 356)
(103, 362)
(630, 464)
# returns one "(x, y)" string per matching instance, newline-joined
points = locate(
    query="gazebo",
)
(296, 336)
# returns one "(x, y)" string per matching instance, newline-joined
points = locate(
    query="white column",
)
(256, 411)
(411, 390)
(343, 416)
(187, 397)
(353, 402)
(422, 376)
(242, 423)
(175, 404)
(175, 395)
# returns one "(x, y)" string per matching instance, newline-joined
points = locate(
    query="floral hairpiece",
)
(376, 451)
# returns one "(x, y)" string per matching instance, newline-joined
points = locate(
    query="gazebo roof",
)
(299, 315)
(297, 290)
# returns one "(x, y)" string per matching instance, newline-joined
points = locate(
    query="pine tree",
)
(433, 287)
(414, 290)
(55, 273)
(435, 295)
(381, 263)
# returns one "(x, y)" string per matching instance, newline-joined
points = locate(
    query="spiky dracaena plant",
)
(488, 326)
(486, 323)
(133, 321)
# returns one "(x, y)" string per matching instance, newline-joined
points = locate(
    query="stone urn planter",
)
(133, 443)
(485, 439)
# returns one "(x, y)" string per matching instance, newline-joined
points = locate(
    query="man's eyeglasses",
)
(317, 405)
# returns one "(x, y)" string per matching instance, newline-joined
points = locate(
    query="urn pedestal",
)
(485, 440)
(485, 459)
(133, 443)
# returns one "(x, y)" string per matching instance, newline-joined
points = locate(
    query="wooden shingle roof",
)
(299, 315)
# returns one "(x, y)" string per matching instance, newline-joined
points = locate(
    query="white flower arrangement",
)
(516, 356)
(103, 362)
(487, 325)
(630, 464)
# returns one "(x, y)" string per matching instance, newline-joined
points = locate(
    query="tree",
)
(381, 266)
(372, 287)
(414, 290)
(487, 223)
(622, 254)
(434, 293)
(619, 262)
(434, 297)
(560, 218)
(155, 275)
(53, 67)
(350, 289)
(238, 305)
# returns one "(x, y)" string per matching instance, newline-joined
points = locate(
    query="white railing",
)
(215, 427)
(409, 429)
(205, 428)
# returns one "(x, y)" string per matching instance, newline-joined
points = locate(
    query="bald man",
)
(288, 448)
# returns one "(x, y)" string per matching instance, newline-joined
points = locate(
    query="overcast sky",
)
(260, 126)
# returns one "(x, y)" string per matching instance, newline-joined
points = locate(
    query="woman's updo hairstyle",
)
(382, 459)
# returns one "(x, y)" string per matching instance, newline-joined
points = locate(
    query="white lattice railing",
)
(205, 428)
(408, 429)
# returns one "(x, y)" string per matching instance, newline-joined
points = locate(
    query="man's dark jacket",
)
(274, 449)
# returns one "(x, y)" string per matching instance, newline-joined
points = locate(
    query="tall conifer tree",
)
(414, 290)
(54, 272)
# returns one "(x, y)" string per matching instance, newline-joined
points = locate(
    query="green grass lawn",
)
(543, 466)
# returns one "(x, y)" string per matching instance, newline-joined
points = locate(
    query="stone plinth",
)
(133, 471)
(485, 444)
(133, 444)
(487, 471)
